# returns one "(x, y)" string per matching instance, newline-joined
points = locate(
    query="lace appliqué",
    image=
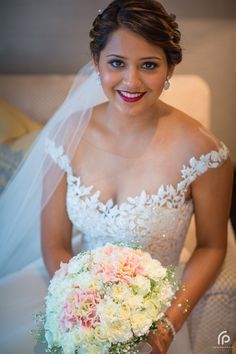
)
(58, 155)
(158, 222)
(199, 166)
(166, 196)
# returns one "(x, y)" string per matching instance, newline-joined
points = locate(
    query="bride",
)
(116, 163)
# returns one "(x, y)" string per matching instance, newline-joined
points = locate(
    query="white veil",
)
(29, 191)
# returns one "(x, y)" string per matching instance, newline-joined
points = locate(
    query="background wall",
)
(51, 36)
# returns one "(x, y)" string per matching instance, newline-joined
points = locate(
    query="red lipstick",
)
(129, 96)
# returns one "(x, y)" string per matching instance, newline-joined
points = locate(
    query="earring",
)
(98, 79)
(167, 83)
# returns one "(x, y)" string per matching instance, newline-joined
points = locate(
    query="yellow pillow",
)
(14, 123)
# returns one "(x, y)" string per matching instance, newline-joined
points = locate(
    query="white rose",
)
(142, 285)
(60, 289)
(134, 301)
(140, 323)
(166, 293)
(117, 330)
(154, 270)
(78, 263)
(110, 311)
(86, 280)
(119, 291)
(151, 310)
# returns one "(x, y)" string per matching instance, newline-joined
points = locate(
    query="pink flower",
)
(120, 266)
(129, 267)
(68, 319)
(80, 307)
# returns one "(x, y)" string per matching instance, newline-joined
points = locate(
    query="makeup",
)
(128, 96)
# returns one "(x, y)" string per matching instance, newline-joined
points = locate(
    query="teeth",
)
(131, 95)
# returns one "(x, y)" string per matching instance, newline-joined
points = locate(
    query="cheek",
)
(157, 83)
(109, 79)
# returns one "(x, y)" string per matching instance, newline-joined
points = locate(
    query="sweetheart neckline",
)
(110, 204)
(189, 172)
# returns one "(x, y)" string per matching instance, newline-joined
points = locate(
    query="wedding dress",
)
(157, 221)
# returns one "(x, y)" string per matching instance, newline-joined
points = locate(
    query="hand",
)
(160, 340)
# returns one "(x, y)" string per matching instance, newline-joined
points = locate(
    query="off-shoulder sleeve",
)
(197, 167)
(58, 155)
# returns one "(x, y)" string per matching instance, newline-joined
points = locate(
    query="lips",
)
(128, 96)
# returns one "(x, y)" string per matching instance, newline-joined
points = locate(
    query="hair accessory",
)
(169, 325)
(98, 79)
(100, 11)
(167, 83)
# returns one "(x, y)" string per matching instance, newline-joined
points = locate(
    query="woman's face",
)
(133, 72)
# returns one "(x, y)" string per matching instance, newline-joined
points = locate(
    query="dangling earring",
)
(167, 83)
(98, 80)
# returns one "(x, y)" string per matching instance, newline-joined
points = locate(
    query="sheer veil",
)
(29, 191)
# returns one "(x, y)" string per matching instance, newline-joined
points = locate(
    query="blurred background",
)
(51, 36)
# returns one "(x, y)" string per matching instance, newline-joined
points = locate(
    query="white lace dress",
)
(159, 222)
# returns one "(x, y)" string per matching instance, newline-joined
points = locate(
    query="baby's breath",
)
(114, 304)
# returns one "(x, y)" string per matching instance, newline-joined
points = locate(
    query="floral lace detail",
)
(58, 155)
(166, 196)
(159, 230)
(199, 166)
(158, 222)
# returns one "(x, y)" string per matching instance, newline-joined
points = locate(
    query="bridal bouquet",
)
(106, 300)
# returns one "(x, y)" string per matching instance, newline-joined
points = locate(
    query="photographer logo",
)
(223, 338)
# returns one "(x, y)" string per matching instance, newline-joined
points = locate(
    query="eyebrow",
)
(145, 58)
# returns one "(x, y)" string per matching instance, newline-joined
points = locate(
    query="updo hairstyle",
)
(147, 18)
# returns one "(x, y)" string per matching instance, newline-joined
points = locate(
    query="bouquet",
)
(106, 300)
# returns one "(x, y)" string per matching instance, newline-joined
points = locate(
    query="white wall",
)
(52, 36)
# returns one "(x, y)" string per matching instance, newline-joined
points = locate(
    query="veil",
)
(37, 177)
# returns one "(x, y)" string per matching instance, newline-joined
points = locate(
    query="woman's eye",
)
(117, 63)
(149, 65)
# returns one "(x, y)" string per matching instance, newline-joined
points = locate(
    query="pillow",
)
(12, 154)
(14, 123)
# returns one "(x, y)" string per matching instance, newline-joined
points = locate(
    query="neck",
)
(127, 124)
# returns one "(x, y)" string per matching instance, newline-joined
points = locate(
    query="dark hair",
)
(148, 18)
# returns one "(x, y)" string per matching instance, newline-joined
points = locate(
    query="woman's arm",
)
(211, 195)
(56, 230)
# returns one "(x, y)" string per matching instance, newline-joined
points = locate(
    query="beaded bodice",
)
(158, 222)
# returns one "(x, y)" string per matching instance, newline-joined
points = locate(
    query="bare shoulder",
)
(190, 136)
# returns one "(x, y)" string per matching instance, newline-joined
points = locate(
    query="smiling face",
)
(133, 72)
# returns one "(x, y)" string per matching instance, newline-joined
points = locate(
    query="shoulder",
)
(190, 137)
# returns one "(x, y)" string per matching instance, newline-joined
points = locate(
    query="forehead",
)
(129, 44)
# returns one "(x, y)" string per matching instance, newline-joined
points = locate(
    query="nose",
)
(132, 78)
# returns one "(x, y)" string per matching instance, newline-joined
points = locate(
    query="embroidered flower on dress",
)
(159, 221)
